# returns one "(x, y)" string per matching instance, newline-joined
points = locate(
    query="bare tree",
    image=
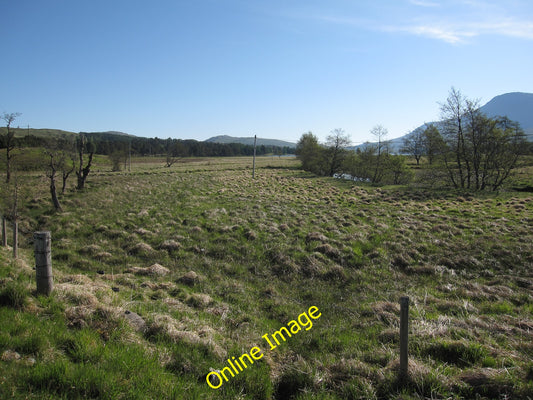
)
(336, 144)
(66, 169)
(453, 112)
(480, 152)
(11, 196)
(51, 174)
(413, 144)
(10, 143)
(83, 171)
(175, 151)
(381, 148)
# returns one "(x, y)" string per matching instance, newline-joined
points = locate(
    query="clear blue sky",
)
(276, 68)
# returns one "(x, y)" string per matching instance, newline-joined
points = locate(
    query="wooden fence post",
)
(4, 232)
(43, 262)
(15, 239)
(404, 341)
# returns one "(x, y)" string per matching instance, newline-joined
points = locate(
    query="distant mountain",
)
(250, 141)
(517, 106)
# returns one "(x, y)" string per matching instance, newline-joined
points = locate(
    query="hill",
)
(516, 106)
(40, 133)
(250, 141)
(58, 133)
(111, 134)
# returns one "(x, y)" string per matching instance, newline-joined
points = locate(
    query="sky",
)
(193, 69)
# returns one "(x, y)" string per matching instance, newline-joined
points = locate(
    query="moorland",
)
(163, 274)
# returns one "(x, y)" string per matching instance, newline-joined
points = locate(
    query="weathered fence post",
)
(43, 262)
(4, 232)
(404, 341)
(15, 239)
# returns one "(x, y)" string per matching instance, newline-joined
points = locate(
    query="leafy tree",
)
(498, 153)
(310, 153)
(116, 158)
(434, 145)
(360, 164)
(396, 170)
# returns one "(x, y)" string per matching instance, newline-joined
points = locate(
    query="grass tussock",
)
(161, 276)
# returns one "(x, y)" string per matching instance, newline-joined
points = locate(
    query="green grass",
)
(263, 251)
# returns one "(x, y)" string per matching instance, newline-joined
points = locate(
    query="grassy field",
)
(163, 274)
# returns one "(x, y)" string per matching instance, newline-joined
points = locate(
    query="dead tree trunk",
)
(65, 174)
(52, 177)
(82, 171)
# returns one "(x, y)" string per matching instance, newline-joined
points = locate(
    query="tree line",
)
(466, 150)
(108, 143)
(372, 162)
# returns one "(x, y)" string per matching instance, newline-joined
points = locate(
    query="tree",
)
(116, 158)
(67, 167)
(336, 150)
(381, 148)
(309, 153)
(434, 145)
(479, 151)
(498, 153)
(53, 167)
(175, 150)
(62, 159)
(65, 158)
(360, 164)
(414, 145)
(9, 141)
(397, 171)
(453, 112)
(83, 146)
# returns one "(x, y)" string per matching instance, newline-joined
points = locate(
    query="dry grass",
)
(209, 261)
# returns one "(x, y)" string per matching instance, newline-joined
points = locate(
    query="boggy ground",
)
(162, 274)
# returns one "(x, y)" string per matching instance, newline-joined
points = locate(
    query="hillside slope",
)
(516, 106)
